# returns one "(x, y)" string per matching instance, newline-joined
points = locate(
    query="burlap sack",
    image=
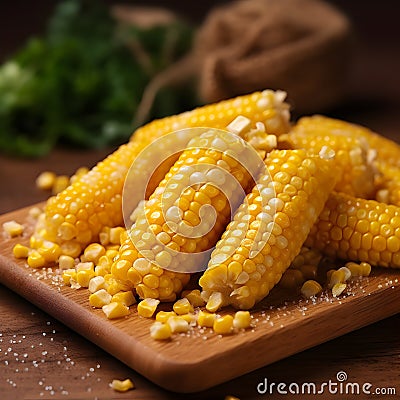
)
(300, 46)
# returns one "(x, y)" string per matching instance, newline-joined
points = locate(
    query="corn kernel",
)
(96, 283)
(45, 180)
(35, 212)
(194, 297)
(84, 273)
(115, 235)
(214, 302)
(310, 288)
(242, 320)
(68, 275)
(239, 125)
(178, 324)
(60, 183)
(223, 325)
(122, 386)
(338, 289)
(115, 310)
(147, 307)
(336, 277)
(206, 319)
(93, 252)
(190, 318)
(162, 316)
(126, 298)
(101, 270)
(35, 259)
(20, 251)
(100, 298)
(354, 268)
(66, 262)
(50, 251)
(160, 331)
(182, 306)
(13, 228)
(347, 273)
(365, 268)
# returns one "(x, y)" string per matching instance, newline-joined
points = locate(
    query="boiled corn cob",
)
(358, 172)
(175, 222)
(386, 150)
(358, 230)
(268, 229)
(76, 216)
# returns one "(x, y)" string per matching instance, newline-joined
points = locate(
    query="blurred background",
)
(72, 77)
(74, 103)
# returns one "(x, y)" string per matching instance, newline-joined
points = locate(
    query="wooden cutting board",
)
(201, 359)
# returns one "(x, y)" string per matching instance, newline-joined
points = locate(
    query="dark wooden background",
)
(58, 361)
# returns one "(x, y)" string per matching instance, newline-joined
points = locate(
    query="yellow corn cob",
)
(75, 217)
(268, 229)
(358, 230)
(386, 150)
(388, 188)
(175, 220)
(351, 151)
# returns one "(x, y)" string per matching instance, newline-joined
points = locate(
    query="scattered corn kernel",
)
(354, 268)
(126, 298)
(84, 273)
(96, 283)
(160, 331)
(223, 325)
(194, 297)
(13, 228)
(20, 251)
(338, 289)
(100, 298)
(365, 268)
(60, 183)
(122, 386)
(239, 125)
(178, 324)
(310, 288)
(347, 273)
(35, 259)
(115, 234)
(182, 306)
(115, 310)
(189, 318)
(93, 252)
(34, 212)
(50, 251)
(242, 320)
(206, 319)
(162, 316)
(147, 307)
(337, 276)
(101, 270)
(329, 274)
(45, 180)
(66, 262)
(68, 275)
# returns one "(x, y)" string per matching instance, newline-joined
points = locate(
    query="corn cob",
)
(358, 230)
(268, 229)
(351, 151)
(173, 222)
(387, 151)
(75, 216)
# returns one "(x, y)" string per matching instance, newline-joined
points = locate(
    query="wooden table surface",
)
(42, 359)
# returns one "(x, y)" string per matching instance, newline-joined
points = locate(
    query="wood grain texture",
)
(285, 326)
